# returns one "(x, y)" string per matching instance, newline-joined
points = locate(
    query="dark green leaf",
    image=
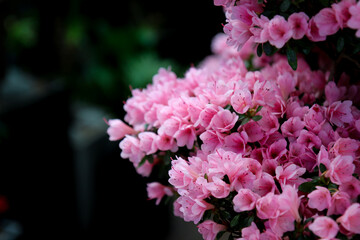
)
(260, 1)
(249, 220)
(325, 3)
(291, 56)
(235, 221)
(143, 160)
(220, 234)
(259, 108)
(268, 49)
(259, 50)
(340, 44)
(242, 116)
(322, 168)
(307, 187)
(308, 220)
(284, 6)
(333, 186)
(225, 215)
(256, 118)
(245, 121)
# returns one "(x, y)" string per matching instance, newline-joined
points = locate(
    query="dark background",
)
(64, 66)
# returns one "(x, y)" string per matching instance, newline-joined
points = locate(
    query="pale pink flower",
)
(290, 201)
(223, 121)
(269, 123)
(265, 93)
(209, 229)
(245, 200)
(314, 119)
(354, 21)
(206, 115)
(165, 142)
(340, 201)
(345, 147)
(269, 235)
(299, 24)
(264, 185)
(350, 220)
(118, 129)
(130, 149)
(181, 173)
(222, 3)
(185, 136)
(320, 198)
(211, 140)
(341, 169)
(250, 233)
(286, 83)
(324, 227)
(279, 31)
(241, 101)
(339, 113)
(326, 22)
(157, 191)
(292, 127)
(323, 157)
(289, 174)
(259, 29)
(193, 209)
(313, 32)
(218, 188)
(148, 142)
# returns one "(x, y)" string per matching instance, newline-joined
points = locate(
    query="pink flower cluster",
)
(245, 22)
(248, 142)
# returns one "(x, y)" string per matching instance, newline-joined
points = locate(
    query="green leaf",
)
(249, 220)
(242, 116)
(256, 118)
(143, 160)
(284, 6)
(220, 234)
(259, 50)
(268, 49)
(235, 221)
(225, 215)
(291, 56)
(245, 121)
(258, 109)
(322, 168)
(340, 44)
(307, 187)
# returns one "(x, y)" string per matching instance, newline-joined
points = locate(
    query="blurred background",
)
(64, 66)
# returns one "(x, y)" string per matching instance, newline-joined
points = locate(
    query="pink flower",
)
(241, 100)
(313, 32)
(222, 3)
(327, 22)
(286, 84)
(352, 188)
(185, 136)
(341, 169)
(283, 223)
(340, 201)
(193, 210)
(250, 233)
(264, 185)
(157, 191)
(211, 140)
(268, 206)
(209, 229)
(245, 200)
(350, 220)
(236, 142)
(339, 113)
(342, 11)
(269, 123)
(292, 127)
(253, 131)
(218, 188)
(279, 31)
(130, 149)
(289, 174)
(334, 93)
(324, 227)
(223, 121)
(299, 24)
(290, 201)
(165, 142)
(314, 119)
(118, 129)
(309, 139)
(206, 115)
(345, 147)
(354, 21)
(320, 198)
(148, 142)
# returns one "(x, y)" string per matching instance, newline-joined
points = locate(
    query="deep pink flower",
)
(245, 200)
(118, 129)
(209, 229)
(241, 101)
(350, 220)
(313, 32)
(157, 191)
(236, 142)
(340, 201)
(292, 127)
(253, 131)
(354, 21)
(314, 119)
(324, 227)
(299, 24)
(279, 31)
(309, 139)
(286, 83)
(264, 185)
(339, 113)
(320, 198)
(327, 22)
(345, 147)
(341, 169)
(342, 11)
(352, 188)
